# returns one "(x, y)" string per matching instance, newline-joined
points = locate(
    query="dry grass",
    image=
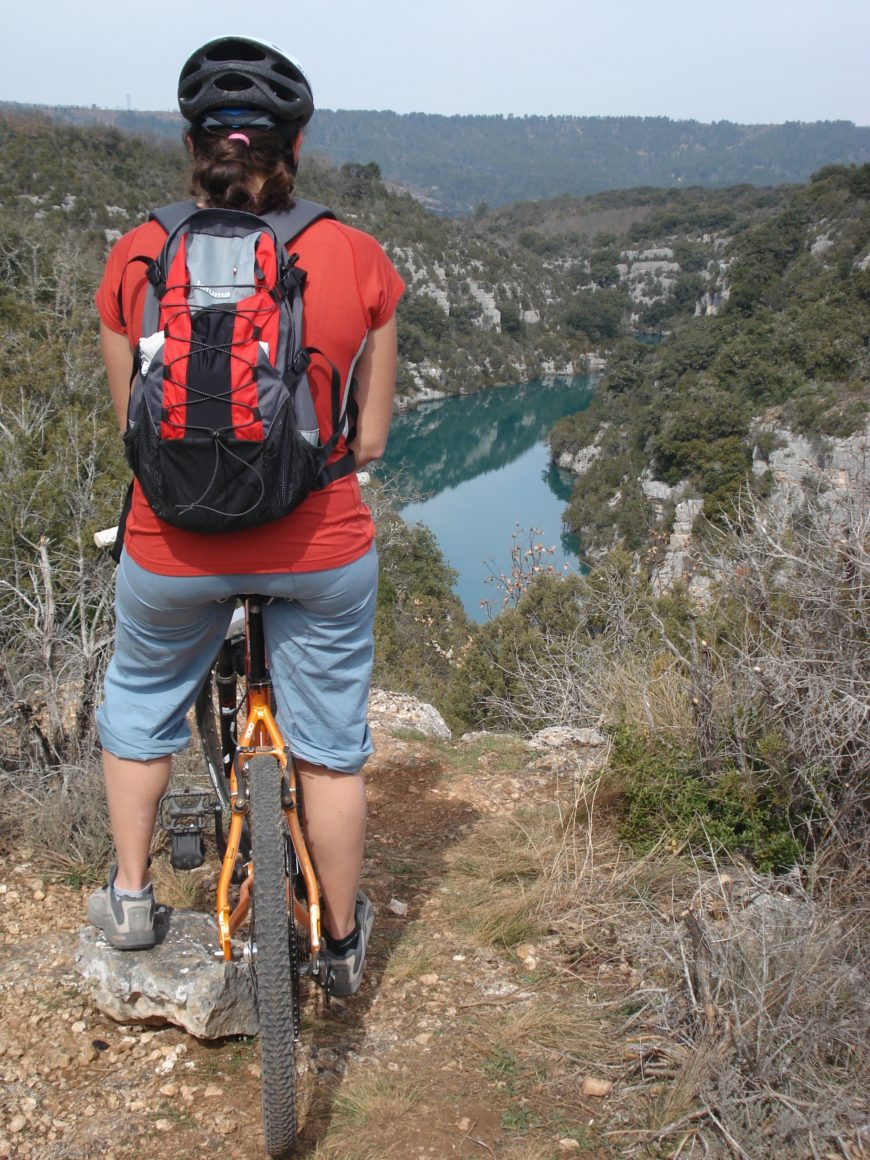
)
(374, 1098)
(592, 892)
(554, 1022)
(510, 847)
(502, 917)
(65, 821)
(650, 687)
(748, 1017)
(544, 1045)
(184, 889)
(534, 1150)
(60, 814)
(508, 750)
(365, 1118)
(497, 877)
(412, 958)
(767, 996)
(557, 868)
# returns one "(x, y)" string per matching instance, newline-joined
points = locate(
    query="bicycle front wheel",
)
(275, 977)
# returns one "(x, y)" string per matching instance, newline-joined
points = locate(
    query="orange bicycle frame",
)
(260, 735)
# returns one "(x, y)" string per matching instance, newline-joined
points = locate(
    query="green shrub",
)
(420, 624)
(599, 315)
(669, 797)
(487, 678)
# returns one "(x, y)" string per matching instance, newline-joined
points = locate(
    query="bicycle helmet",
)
(228, 78)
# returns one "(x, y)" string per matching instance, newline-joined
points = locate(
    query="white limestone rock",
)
(563, 736)
(399, 711)
(179, 981)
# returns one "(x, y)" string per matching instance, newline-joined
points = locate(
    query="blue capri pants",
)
(169, 629)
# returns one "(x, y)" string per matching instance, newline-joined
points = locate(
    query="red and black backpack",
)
(221, 428)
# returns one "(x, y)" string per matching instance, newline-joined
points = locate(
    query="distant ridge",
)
(456, 163)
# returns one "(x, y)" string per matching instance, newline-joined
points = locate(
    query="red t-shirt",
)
(351, 288)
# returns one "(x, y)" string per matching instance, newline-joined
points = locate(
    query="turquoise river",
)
(479, 470)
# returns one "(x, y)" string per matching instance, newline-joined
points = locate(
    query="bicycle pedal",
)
(187, 851)
(183, 814)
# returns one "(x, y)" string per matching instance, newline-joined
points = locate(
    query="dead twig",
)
(474, 1140)
(729, 1139)
(511, 996)
(653, 1134)
(699, 969)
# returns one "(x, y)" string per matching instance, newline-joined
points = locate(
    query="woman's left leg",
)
(168, 630)
(133, 792)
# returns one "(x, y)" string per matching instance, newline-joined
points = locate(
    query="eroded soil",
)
(409, 1067)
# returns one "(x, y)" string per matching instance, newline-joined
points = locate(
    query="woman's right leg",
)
(319, 640)
(334, 806)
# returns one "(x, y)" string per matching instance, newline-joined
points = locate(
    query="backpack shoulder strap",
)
(170, 216)
(287, 224)
(290, 223)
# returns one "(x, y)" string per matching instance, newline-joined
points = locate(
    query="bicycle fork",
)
(261, 736)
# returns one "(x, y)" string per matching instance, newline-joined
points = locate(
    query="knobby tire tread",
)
(208, 723)
(275, 982)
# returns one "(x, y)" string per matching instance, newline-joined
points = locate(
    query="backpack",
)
(222, 432)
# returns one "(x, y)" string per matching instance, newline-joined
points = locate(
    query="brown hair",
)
(224, 170)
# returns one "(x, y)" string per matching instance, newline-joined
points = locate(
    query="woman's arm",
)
(118, 358)
(375, 387)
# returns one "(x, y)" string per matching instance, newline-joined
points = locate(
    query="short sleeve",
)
(120, 295)
(379, 282)
(108, 292)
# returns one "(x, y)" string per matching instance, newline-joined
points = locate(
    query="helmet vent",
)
(292, 74)
(232, 83)
(280, 91)
(236, 50)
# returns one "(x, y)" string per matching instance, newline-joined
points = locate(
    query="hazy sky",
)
(750, 61)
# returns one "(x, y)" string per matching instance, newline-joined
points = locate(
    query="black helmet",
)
(230, 76)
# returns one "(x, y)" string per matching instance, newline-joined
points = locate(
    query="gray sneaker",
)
(127, 923)
(346, 971)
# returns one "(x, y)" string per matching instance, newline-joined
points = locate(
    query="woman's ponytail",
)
(228, 165)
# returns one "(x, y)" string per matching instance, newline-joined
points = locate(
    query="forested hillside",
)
(764, 292)
(770, 338)
(456, 163)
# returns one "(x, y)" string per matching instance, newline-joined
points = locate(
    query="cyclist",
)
(247, 105)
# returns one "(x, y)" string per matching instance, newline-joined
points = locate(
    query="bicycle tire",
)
(207, 716)
(276, 981)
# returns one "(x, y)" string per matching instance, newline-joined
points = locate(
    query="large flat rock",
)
(179, 981)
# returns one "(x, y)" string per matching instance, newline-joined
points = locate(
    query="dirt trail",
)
(401, 1070)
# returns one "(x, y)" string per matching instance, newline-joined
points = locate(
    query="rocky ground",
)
(477, 1033)
(403, 1069)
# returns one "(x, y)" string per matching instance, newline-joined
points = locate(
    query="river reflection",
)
(479, 468)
